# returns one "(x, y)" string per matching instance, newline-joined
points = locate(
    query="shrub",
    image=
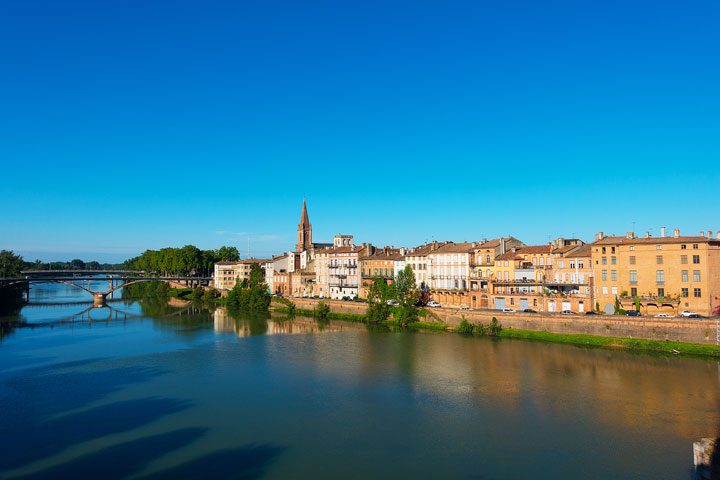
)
(465, 328)
(321, 311)
(495, 327)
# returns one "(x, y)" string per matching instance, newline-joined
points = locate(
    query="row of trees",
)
(11, 265)
(398, 299)
(188, 260)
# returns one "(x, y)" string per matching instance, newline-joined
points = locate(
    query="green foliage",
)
(378, 309)
(406, 296)
(321, 311)
(183, 261)
(465, 328)
(10, 264)
(495, 327)
(197, 294)
(618, 307)
(637, 303)
(250, 295)
(210, 295)
(597, 306)
(151, 289)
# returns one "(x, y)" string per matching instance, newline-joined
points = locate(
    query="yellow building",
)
(381, 264)
(227, 274)
(666, 274)
(519, 277)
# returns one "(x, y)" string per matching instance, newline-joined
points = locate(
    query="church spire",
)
(304, 220)
(304, 231)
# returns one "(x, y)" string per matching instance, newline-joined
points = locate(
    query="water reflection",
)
(244, 325)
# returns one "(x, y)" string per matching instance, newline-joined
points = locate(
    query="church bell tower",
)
(304, 231)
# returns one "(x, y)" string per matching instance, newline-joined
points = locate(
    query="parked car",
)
(508, 310)
(632, 313)
(687, 313)
(433, 304)
(695, 315)
(392, 302)
(464, 307)
(664, 315)
(529, 310)
(590, 313)
(567, 312)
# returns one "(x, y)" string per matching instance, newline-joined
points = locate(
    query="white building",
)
(450, 264)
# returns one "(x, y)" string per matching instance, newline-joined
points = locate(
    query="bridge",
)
(81, 279)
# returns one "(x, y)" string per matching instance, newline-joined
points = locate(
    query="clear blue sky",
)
(128, 125)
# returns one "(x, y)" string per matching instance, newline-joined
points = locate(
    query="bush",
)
(495, 327)
(321, 311)
(465, 328)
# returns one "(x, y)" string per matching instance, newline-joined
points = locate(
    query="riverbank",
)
(436, 320)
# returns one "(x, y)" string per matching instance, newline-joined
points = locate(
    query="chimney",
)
(502, 246)
(599, 236)
(702, 233)
(662, 232)
(676, 233)
(718, 235)
(647, 234)
(709, 233)
(630, 235)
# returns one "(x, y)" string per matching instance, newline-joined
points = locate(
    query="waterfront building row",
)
(665, 274)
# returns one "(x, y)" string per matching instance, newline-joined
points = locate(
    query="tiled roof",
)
(495, 242)
(246, 261)
(617, 240)
(530, 250)
(334, 250)
(463, 247)
(579, 251)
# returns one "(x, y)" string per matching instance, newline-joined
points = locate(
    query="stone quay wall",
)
(689, 330)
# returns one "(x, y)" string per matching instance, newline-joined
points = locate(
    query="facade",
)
(380, 264)
(337, 272)
(417, 259)
(519, 277)
(277, 276)
(665, 274)
(227, 274)
(569, 284)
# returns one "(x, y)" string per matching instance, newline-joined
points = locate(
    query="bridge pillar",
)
(99, 299)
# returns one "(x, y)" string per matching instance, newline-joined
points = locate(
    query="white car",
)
(567, 312)
(464, 307)
(433, 304)
(687, 313)
(508, 310)
(664, 315)
(392, 302)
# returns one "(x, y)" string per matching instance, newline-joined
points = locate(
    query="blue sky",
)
(129, 125)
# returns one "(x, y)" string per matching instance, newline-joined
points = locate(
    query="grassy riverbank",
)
(638, 344)
(634, 344)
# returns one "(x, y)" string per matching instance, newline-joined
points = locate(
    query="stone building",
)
(381, 263)
(665, 274)
(227, 274)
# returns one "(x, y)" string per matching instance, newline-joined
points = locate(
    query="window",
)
(696, 275)
(604, 275)
(613, 275)
(603, 250)
(561, 264)
(683, 259)
(695, 246)
(572, 264)
(661, 292)
(604, 260)
(660, 277)
(605, 290)
(685, 292)
(613, 290)
(581, 264)
(658, 247)
(697, 292)
(684, 275)
(612, 249)
(633, 292)
(632, 260)
(696, 259)
(659, 259)
(683, 247)
(613, 260)
(632, 247)
(633, 276)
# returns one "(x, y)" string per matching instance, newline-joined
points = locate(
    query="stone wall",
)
(691, 330)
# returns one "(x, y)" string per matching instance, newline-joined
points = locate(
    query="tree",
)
(77, 264)
(406, 296)
(228, 254)
(10, 264)
(252, 293)
(378, 296)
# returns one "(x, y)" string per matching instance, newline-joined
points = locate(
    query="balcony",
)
(527, 282)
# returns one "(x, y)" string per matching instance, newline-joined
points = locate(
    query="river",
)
(150, 390)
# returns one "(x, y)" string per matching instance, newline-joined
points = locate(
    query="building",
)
(417, 260)
(277, 276)
(665, 274)
(569, 284)
(449, 266)
(485, 255)
(337, 272)
(227, 274)
(381, 263)
(519, 277)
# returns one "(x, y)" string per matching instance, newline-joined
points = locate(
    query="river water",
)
(150, 390)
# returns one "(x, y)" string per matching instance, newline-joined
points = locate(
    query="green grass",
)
(614, 342)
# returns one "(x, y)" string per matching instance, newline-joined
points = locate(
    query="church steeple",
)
(304, 231)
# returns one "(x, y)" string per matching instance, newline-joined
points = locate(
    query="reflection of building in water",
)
(244, 327)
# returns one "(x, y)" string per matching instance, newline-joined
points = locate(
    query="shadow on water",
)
(36, 402)
(123, 460)
(248, 462)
